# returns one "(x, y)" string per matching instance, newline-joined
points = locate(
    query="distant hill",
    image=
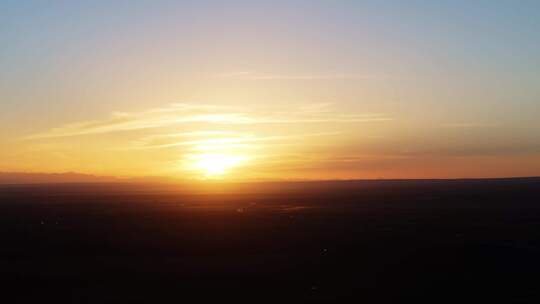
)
(40, 178)
(73, 177)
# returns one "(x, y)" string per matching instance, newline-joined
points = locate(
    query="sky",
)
(271, 89)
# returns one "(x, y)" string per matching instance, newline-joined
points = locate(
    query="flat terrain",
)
(374, 241)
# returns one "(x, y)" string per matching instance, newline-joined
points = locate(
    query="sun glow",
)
(216, 164)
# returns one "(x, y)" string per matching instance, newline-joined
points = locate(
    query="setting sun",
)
(212, 165)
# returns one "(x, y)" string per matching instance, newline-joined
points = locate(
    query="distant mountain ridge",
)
(74, 178)
(39, 178)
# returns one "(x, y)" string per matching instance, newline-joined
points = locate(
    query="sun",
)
(216, 164)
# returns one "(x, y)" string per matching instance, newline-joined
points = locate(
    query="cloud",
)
(154, 118)
(470, 125)
(177, 131)
(217, 139)
(248, 75)
(204, 114)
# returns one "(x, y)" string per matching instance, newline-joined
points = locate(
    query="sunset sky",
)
(271, 89)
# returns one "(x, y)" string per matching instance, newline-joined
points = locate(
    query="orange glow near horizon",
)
(304, 141)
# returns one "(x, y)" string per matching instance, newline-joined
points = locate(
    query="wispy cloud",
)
(218, 139)
(249, 75)
(470, 125)
(204, 114)
(171, 136)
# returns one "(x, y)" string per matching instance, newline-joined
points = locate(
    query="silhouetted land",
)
(376, 241)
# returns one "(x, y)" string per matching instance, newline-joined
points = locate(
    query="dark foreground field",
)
(384, 241)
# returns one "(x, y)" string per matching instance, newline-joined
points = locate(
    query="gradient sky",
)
(282, 89)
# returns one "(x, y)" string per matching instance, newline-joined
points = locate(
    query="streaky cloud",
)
(183, 113)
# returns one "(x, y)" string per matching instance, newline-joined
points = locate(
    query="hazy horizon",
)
(22, 178)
